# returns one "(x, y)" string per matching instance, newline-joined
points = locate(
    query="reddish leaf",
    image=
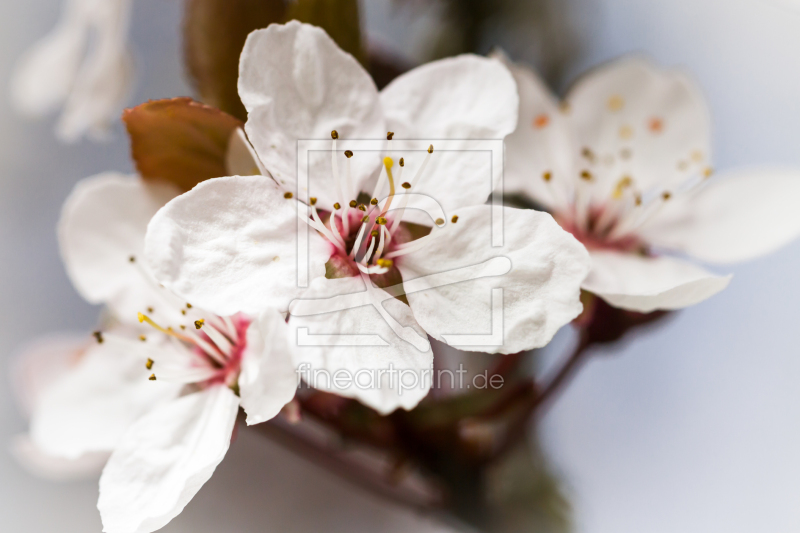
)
(179, 140)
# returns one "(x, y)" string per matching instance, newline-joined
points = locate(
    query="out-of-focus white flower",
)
(35, 369)
(624, 164)
(83, 66)
(231, 244)
(162, 399)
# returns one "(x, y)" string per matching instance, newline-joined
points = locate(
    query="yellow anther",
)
(287, 195)
(666, 195)
(638, 199)
(365, 219)
(312, 201)
(199, 323)
(439, 222)
(586, 175)
(150, 310)
(622, 184)
(380, 221)
(402, 162)
(132, 259)
(334, 134)
(142, 338)
(188, 306)
(362, 207)
(149, 363)
(182, 326)
(374, 201)
(708, 172)
(430, 149)
(406, 185)
(99, 336)
(337, 206)
(384, 263)
(348, 154)
(183, 312)
(152, 377)
(353, 203)
(454, 219)
(547, 176)
(374, 233)
(389, 135)
(616, 103)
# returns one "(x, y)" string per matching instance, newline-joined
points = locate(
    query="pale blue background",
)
(693, 427)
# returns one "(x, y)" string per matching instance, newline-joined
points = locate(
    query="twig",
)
(356, 473)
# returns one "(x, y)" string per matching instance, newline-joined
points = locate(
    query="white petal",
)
(541, 143)
(735, 217)
(297, 84)
(268, 379)
(371, 372)
(542, 269)
(465, 98)
(55, 468)
(646, 284)
(230, 245)
(164, 459)
(658, 115)
(103, 223)
(89, 408)
(45, 74)
(241, 158)
(42, 362)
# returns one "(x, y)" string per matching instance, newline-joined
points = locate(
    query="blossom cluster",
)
(344, 258)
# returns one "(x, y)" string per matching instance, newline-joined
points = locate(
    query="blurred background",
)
(693, 426)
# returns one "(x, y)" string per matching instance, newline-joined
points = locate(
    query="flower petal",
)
(42, 362)
(542, 269)
(230, 245)
(268, 380)
(89, 408)
(541, 144)
(164, 459)
(104, 80)
(735, 217)
(298, 85)
(466, 98)
(632, 118)
(384, 372)
(102, 225)
(55, 468)
(44, 76)
(646, 284)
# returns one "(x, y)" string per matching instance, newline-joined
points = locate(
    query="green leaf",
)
(337, 17)
(179, 140)
(214, 35)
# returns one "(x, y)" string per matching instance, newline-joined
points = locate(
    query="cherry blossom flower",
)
(83, 66)
(375, 265)
(161, 387)
(624, 164)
